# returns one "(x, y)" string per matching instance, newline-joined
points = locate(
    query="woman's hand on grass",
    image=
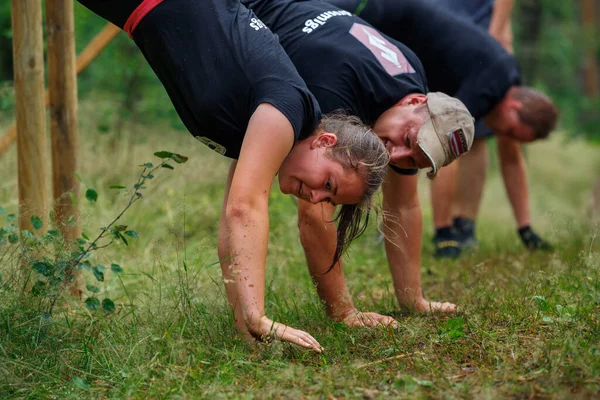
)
(268, 329)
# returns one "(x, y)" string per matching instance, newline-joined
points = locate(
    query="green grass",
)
(527, 327)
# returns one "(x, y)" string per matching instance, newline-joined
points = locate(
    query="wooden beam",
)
(28, 59)
(64, 131)
(99, 43)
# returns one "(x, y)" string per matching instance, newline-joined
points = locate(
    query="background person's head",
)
(343, 162)
(524, 114)
(426, 131)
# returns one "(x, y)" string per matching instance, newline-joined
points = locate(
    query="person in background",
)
(461, 59)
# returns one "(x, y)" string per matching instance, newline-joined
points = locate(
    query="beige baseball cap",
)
(448, 133)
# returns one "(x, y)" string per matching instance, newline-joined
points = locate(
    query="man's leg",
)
(514, 174)
(471, 179)
(443, 189)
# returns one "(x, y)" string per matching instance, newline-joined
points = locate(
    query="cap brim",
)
(429, 142)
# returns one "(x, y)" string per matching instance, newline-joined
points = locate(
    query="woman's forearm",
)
(248, 226)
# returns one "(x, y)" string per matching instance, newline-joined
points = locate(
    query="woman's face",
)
(310, 175)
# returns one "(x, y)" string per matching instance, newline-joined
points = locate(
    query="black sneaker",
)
(447, 243)
(532, 240)
(466, 232)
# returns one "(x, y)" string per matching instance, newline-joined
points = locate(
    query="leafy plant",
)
(52, 260)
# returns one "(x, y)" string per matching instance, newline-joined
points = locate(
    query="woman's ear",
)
(412, 100)
(324, 139)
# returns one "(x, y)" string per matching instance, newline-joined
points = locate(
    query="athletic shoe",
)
(447, 243)
(466, 232)
(532, 240)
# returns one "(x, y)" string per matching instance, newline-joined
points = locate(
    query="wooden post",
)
(85, 57)
(29, 98)
(63, 113)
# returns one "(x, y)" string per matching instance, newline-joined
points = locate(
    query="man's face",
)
(510, 124)
(398, 128)
(518, 130)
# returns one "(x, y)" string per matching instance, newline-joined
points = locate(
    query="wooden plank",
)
(28, 59)
(64, 130)
(91, 51)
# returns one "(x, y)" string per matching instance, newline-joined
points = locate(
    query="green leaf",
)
(116, 268)
(167, 166)
(81, 383)
(547, 319)
(2, 210)
(38, 289)
(81, 241)
(10, 218)
(36, 222)
(92, 288)
(54, 233)
(541, 303)
(83, 235)
(163, 154)
(86, 265)
(91, 195)
(108, 305)
(43, 268)
(92, 303)
(27, 234)
(116, 187)
(13, 238)
(453, 324)
(73, 198)
(132, 234)
(119, 236)
(147, 165)
(98, 274)
(421, 382)
(71, 221)
(178, 158)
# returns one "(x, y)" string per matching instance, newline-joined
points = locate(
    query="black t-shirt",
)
(478, 11)
(460, 58)
(115, 11)
(218, 62)
(344, 61)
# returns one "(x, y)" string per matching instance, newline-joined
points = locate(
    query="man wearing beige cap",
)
(349, 65)
(463, 60)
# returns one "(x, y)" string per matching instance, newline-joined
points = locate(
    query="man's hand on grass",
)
(356, 318)
(426, 306)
